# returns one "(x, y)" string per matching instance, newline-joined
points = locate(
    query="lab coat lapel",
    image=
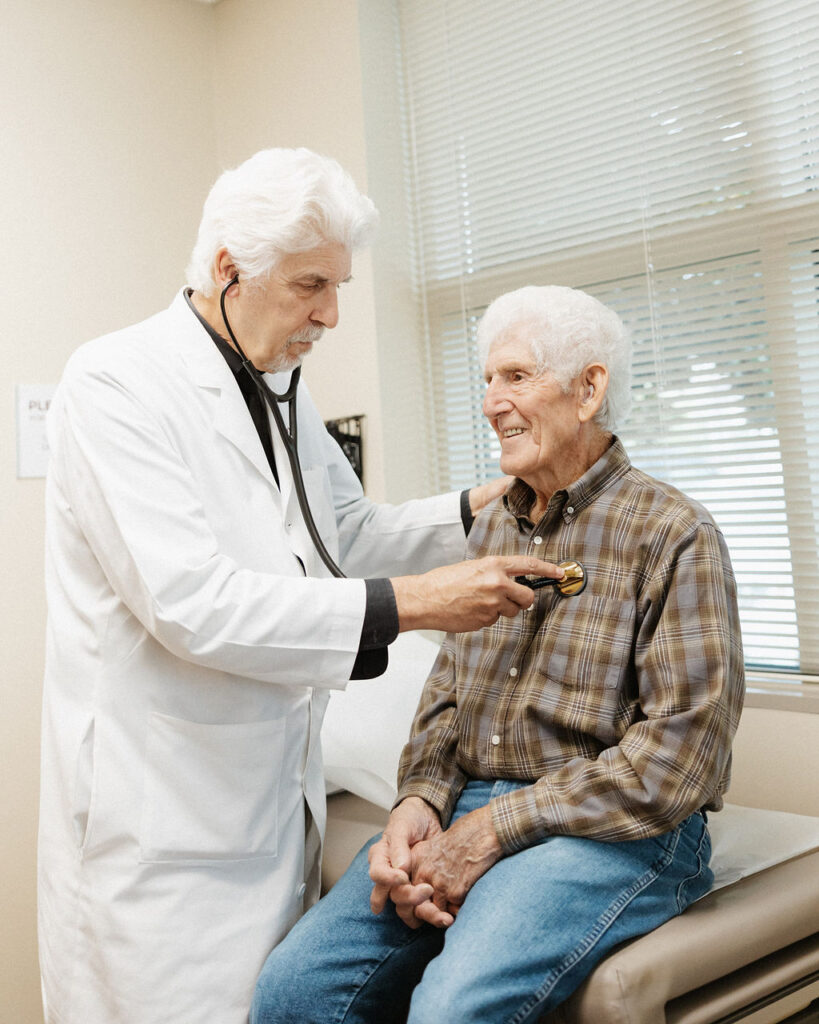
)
(209, 371)
(233, 422)
(231, 419)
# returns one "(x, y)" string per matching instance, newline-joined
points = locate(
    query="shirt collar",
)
(611, 465)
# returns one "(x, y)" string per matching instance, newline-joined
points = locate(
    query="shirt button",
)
(537, 540)
(495, 740)
(570, 509)
(513, 671)
(301, 890)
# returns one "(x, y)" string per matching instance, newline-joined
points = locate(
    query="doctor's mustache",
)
(310, 334)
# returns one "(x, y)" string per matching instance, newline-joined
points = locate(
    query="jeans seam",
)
(603, 923)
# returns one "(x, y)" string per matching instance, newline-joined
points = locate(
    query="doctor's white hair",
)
(277, 203)
(566, 330)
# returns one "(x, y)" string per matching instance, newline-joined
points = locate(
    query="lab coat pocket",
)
(210, 791)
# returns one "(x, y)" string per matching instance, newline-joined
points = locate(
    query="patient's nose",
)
(495, 401)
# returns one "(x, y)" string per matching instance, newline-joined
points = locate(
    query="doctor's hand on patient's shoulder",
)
(412, 822)
(469, 595)
(484, 493)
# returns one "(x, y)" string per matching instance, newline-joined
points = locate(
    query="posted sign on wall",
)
(33, 401)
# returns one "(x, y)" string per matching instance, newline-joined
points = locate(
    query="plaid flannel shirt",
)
(619, 704)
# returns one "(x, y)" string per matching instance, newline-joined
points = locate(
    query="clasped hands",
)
(427, 871)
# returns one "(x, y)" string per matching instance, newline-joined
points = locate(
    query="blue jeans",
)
(529, 932)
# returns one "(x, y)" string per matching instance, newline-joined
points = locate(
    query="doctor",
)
(194, 633)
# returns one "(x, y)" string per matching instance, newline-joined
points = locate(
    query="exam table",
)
(747, 952)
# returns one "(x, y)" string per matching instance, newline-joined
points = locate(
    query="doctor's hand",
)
(469, 595)
(412, 821)
(484, 493)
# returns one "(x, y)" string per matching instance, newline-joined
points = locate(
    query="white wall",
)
(116, 117)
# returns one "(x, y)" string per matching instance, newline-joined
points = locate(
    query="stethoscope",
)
(289, 435)
(572, 582)
(574, 578)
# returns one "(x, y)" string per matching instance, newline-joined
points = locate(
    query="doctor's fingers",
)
(468, 595)
(526, 565)
(491, 587)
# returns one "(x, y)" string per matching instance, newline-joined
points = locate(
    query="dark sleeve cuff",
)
(466, 512)
(379, 629)
(380, 617)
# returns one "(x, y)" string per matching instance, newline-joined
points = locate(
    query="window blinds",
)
(665, 158)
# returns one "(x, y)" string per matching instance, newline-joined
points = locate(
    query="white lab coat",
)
(189, 661)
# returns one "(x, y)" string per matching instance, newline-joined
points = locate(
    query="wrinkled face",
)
(278, 319)
(536, 422)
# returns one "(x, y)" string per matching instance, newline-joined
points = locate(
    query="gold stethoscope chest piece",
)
(571, 583)
(575, 579)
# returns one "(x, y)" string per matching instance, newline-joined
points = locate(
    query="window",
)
(665, 158)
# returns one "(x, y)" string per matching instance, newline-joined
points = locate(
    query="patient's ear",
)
(592, 383)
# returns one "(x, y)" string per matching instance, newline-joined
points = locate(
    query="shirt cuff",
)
(466, 512)
(380, 628)
(380, 625)
(437, 794)
(517, 820)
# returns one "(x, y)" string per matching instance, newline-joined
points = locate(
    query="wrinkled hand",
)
(412, 822)
(468, 595)
(481, 495)
(451, 862)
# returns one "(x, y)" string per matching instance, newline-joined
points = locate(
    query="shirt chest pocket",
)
(589, 642)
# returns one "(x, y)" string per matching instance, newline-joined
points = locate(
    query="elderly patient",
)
(553, 794)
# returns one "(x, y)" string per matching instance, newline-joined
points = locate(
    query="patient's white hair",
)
(566, 329)
(277, 203)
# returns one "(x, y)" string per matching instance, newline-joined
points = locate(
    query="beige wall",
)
(288, 72)
(116, 117)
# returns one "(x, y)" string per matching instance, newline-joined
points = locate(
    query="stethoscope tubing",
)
(288, 435)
